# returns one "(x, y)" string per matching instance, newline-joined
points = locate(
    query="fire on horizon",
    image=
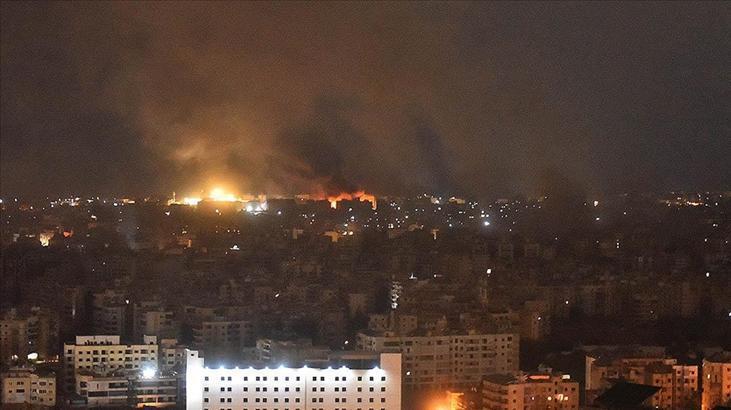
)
(221, 195)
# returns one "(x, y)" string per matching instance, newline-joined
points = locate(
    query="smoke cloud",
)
(320, 97)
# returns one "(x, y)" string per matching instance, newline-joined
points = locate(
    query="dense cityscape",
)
(329, 205)
(475, 296)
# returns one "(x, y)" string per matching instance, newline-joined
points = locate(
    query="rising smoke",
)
(306, 97)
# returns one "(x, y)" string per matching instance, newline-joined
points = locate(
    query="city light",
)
(148, 373)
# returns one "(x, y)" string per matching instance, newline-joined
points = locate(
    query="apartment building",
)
(352, 381)
(529, 391)
(26, 386)
(22, 332)
(125, 388)
(678, 383)
(104, 353)
(716, 381)
(446, 361)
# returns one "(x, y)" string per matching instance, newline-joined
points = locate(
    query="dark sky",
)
(487, 99)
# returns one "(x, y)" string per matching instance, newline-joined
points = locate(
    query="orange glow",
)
(218, 194)
(359, 195)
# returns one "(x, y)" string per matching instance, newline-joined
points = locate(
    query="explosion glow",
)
(192, 201)
(256, 204)
(360, 195)
(218, 194)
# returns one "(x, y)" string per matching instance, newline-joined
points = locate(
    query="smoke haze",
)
(473, 98)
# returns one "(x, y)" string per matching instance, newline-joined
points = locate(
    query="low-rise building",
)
(104, 353)
(678, 383)
(124, 388)
(26, 386)
(529, 391)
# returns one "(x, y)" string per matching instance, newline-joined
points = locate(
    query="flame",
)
(218, 194)
(349, 196)
(192, 201)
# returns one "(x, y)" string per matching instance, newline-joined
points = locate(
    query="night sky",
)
(482, 99)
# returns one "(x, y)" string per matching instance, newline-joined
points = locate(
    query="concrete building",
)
(124, 388)
(34, 330)
(220, 337)
(678, 383)
(716, 381)
(290, 352)
(151, 318)
(354, 381)
(529, 391)
(447, 360)
(172, 356)
(109, 313)
(105, 353)
(25, 386)
(14, 339)
(400, 323)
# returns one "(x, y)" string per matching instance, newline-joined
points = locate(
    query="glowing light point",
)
(148, 373)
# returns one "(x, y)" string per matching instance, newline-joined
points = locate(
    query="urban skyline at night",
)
(365, 205)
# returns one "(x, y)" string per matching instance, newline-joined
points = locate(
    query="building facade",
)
(449, 360)
(678, 383)
(124, 388)
(25, 386)
(524, 391)
(716, 381)
(105, 353)
(356, 382)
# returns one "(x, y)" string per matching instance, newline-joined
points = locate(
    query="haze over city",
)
(483, 99)
(365, 205)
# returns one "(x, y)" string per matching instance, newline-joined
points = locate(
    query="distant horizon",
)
(320, 197)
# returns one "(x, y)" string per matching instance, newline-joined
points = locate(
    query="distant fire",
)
(220, 195)
(359, 195)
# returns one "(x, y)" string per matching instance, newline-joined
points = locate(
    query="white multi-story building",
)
(24, 386)
(354, 382)
(105, 353)
(448, 360)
